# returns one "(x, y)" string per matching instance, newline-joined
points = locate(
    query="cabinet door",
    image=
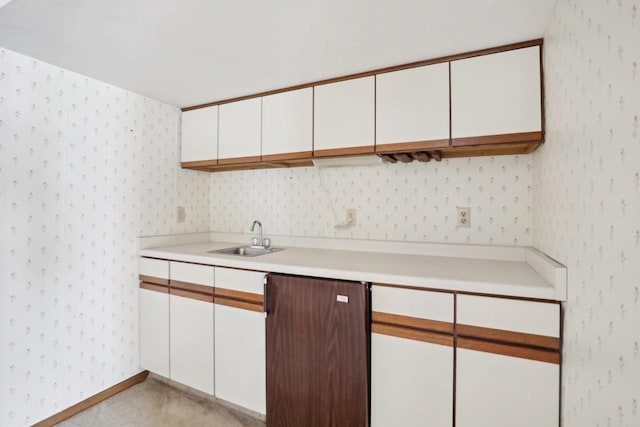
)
(191, 325)
(154, 315)
(287, 125)
(344, 117)
(240, 338)
(412, 108)
(154, 331)
(497, 94)
(507, 362)
(240, 131)
(192, 342)
(240, 357)
(494, 390)
(199, 131)
(411, 358)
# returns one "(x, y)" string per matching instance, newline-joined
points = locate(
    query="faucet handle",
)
(266, 242)
(255, 241)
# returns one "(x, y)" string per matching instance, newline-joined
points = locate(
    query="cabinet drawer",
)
(240, 280)
(192, 273)
(527, 317)
(154, 270)
(413, 303)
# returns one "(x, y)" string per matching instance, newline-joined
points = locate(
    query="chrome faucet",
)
(260, 241)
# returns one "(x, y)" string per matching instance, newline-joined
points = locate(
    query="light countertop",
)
(532, 275)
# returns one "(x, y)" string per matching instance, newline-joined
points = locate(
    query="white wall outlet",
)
(463, 217)
(182, 214)
(351, 217)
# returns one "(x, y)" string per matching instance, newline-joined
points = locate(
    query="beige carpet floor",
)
(154, 403)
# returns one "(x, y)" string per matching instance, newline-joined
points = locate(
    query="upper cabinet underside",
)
(480, 103)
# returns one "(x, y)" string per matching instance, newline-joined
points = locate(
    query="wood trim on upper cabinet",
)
(503, 48)
(530, 353)
(239, 160)
(412, 334)
(93, 400)
(152, 279)
(498, 139)
(198, 163)
(412, 146)
(508, 337)
(349, 151)
(505, 149)
(301, 155)
(412, 322)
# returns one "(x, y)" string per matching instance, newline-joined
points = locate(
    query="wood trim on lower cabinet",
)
(153, 279)
(93, 400)
(238, 295)
(498, 139)
(412, 334)
(287, 156)
(412, 146)
(153, 287)
(412, 322)
(193, 287)
(522, 352)
(347, 151)
(239, 160)
(191, 295)
(508, 337)
(244, 305)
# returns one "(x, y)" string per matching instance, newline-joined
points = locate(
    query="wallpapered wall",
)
(587, 203)
(85, 167)
(409, 202)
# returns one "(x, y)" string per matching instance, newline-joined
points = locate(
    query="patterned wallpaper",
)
(406, 202)
(587, 203)
(85, 167)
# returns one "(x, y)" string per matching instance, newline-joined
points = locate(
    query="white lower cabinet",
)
(411, 382)
(411, 357)
(191, 346)
(240, 357)
(494, 390)
(154, 331)
(240, 338)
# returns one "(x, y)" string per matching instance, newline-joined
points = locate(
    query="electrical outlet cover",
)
(463, 217)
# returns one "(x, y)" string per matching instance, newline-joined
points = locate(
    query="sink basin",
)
(245, 251)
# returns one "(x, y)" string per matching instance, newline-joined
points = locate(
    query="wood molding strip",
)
(503, 48)
(508, 337)
(199, 163)
(412, 322)
(505, 149)
(349, 151)
(412, 146)
(191, 295)
(239, 160)
(154, 287)
(152, 279)
(530, 353)
(93, 400)
(193, 287)
(531, 137)
(238, 295)
(244, 305)
(412, 334)
(300, 155)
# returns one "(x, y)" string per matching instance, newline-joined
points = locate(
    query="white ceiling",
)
(188, 52)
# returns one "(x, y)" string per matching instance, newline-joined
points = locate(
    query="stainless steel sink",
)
(248, 251)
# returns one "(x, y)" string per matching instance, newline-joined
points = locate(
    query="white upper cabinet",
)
(287, 124)
(413, 106)
(496, 94)
(240, 130)
(344, 116)
(199, 135)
